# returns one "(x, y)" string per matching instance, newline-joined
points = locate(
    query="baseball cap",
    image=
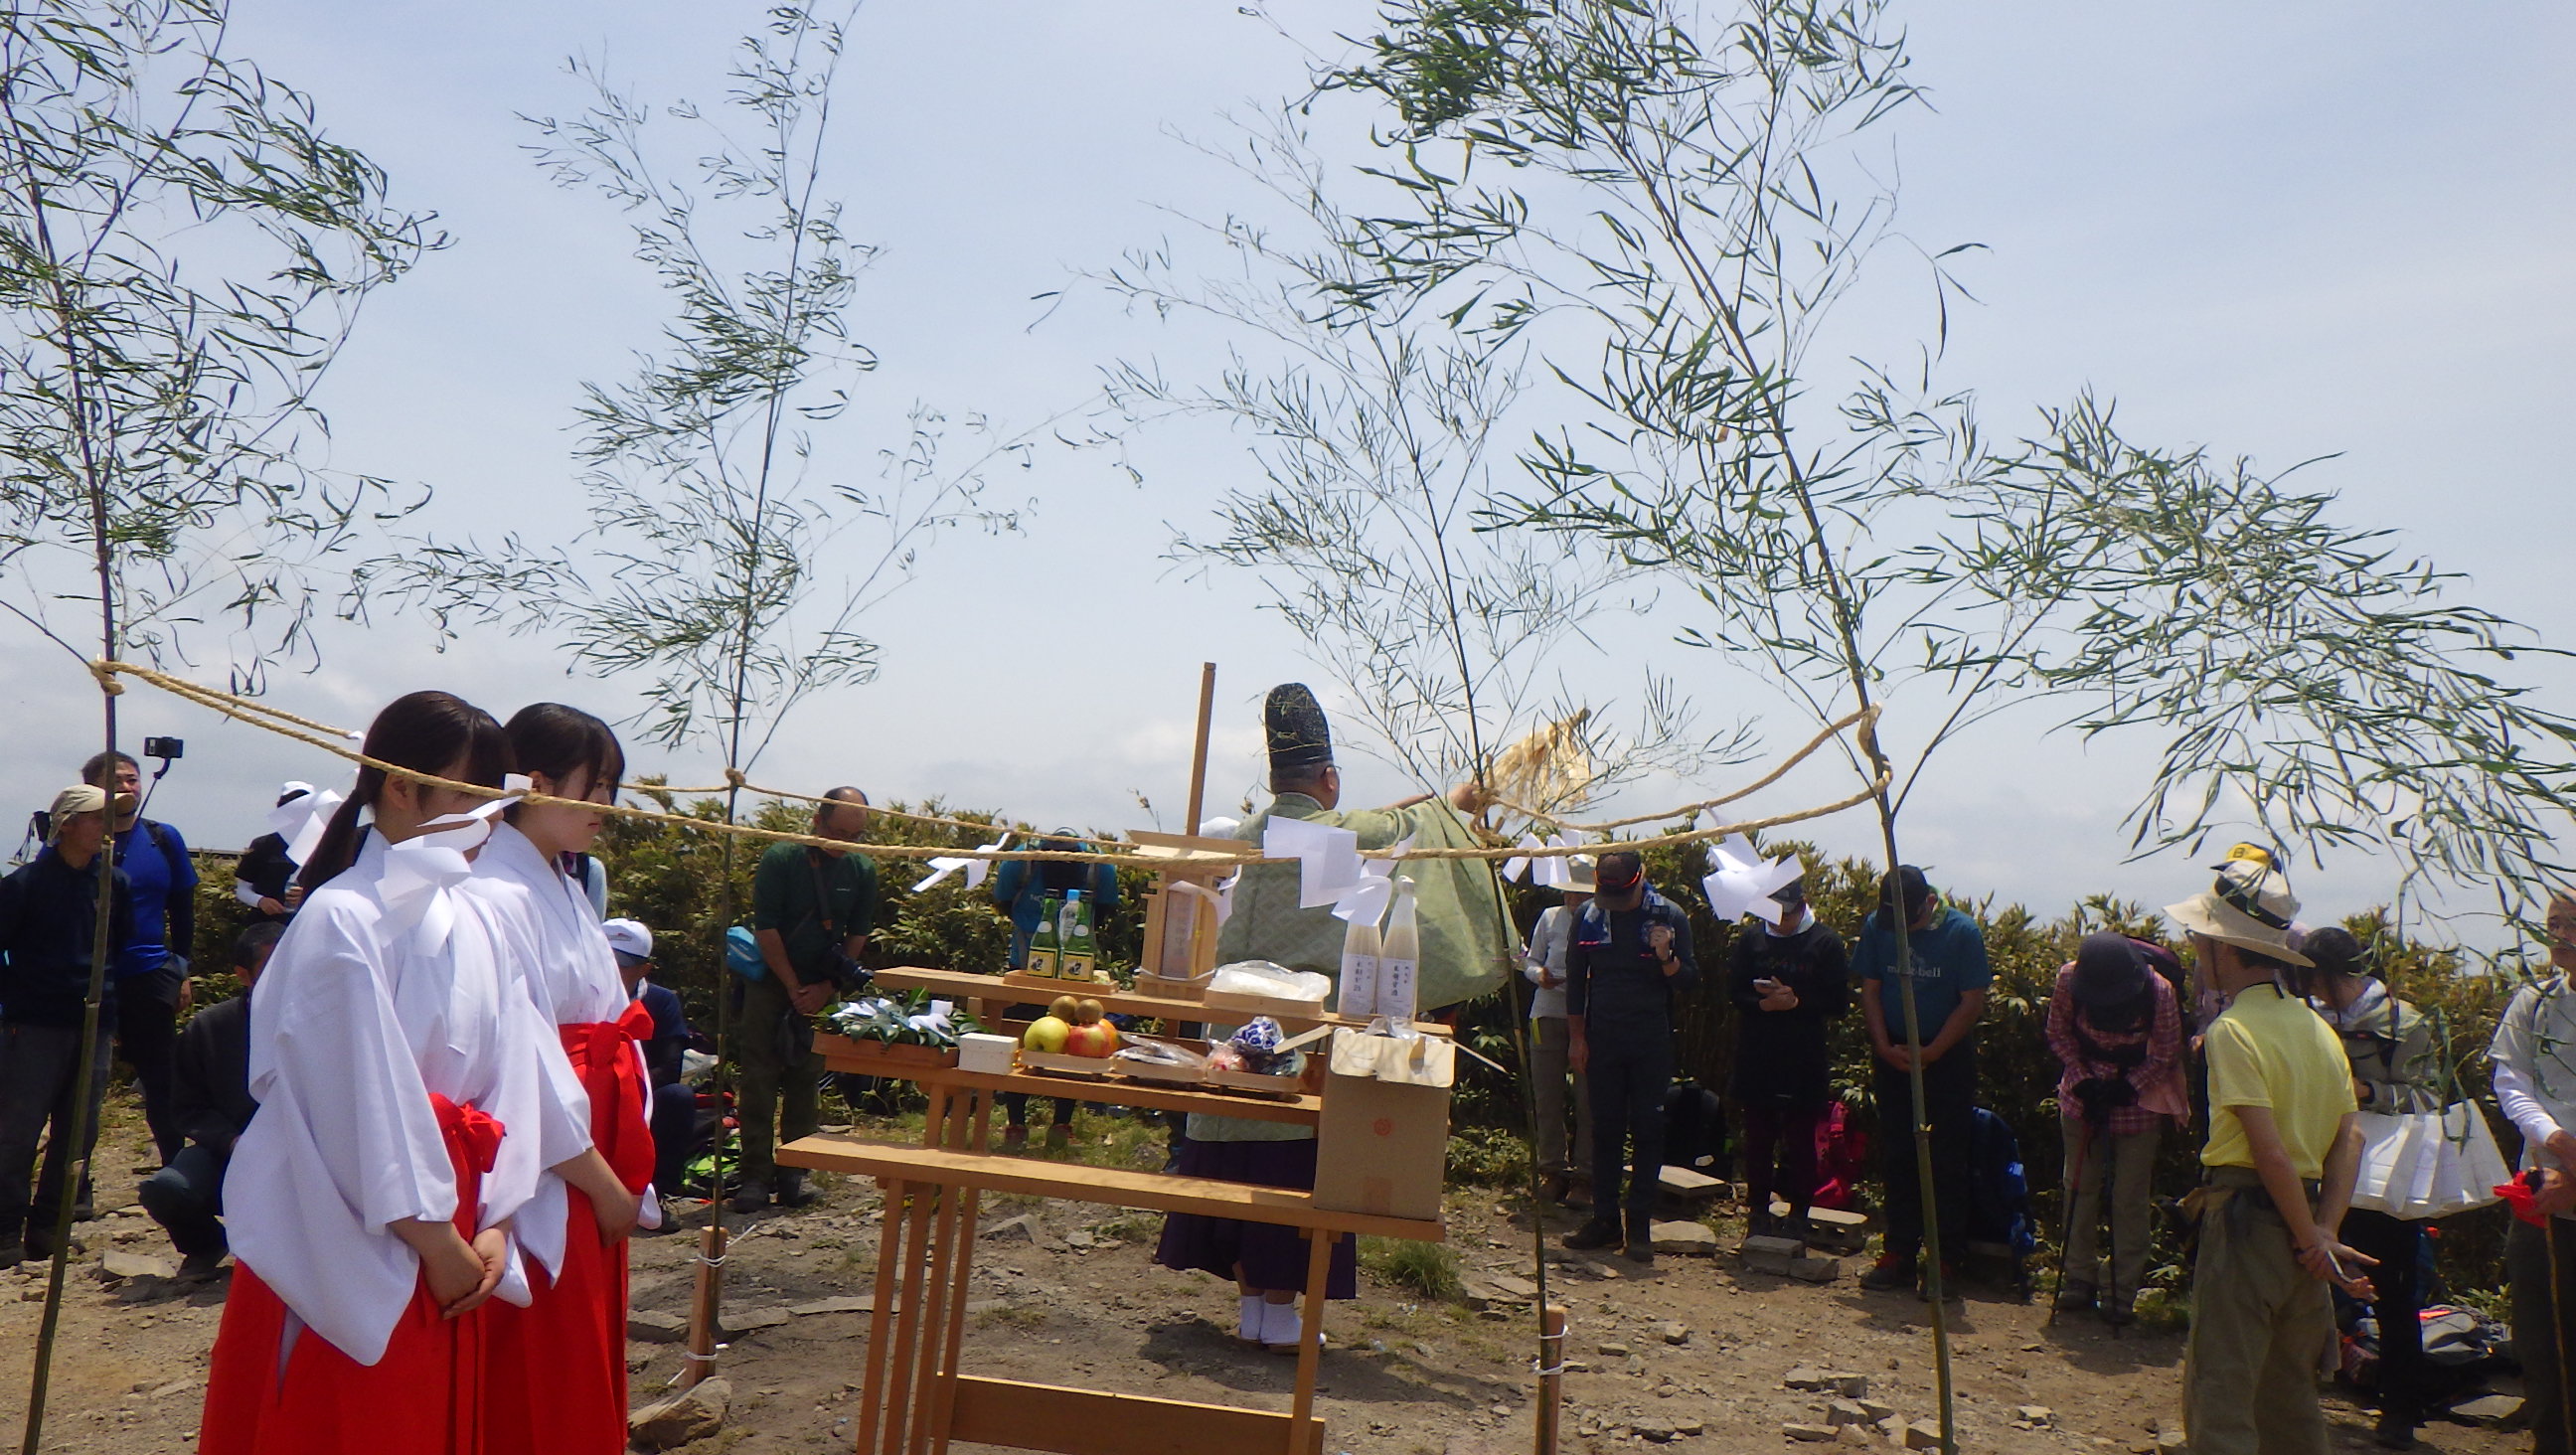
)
(1909, 882)
(629, 938)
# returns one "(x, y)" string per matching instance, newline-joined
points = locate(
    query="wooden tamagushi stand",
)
(914, 1396)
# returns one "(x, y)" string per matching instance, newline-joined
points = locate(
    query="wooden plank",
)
(1153, 1095)
(963, 985)
(1076, 1182)
(1089, 1422)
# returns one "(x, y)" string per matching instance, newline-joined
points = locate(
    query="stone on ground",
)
(1923, 1435)
(1812, 1434)
(653, 1327)
(692, 1414)
(1681, 1237)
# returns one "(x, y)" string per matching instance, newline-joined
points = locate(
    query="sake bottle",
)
(1399, 958)
(1359, 969)
(1076, 957)
(1045, 945)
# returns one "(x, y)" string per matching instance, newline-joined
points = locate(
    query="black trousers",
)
(2399, 1246)
(676, 1140)
(147, 1039)
(2541, 1325)
(186, 1197)
(1630, 1070)
(39, 1072)
(1950, 1104)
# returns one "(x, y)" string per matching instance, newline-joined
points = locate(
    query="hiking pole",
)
(2557, 1328)
(2066, 1224)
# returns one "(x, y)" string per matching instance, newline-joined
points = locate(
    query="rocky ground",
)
(1699, 1353)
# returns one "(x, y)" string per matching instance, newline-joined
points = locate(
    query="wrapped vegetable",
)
(900, 1020)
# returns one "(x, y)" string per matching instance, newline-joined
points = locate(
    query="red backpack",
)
(1842, 1158)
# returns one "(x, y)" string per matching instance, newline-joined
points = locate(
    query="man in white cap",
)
(48, 943)
(2284, 1143)
(1544, 964)
(674, 1113)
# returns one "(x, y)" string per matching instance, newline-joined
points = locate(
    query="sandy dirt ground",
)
(1692, 1353)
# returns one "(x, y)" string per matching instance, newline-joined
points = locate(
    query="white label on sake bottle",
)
(1359, 985)
(1395, 988)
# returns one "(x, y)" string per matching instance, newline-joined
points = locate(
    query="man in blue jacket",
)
(48, 929)
(151, 975)
(1020, 890)
(1628, 962)
(1943, 977)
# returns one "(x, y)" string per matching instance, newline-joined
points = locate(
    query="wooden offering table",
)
(913, 1398)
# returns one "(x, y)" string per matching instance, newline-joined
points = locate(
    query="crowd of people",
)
(451, 1089)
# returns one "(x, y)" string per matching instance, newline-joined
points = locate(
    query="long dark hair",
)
(559, 741)
(426, 732)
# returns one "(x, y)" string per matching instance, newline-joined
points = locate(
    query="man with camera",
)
(48, 935)
(151, 973)
(811, 911)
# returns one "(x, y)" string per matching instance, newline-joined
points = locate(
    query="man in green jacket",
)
(811, 912)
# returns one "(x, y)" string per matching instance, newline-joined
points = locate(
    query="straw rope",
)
(313, 734)
(734, 779)
(1866, 719)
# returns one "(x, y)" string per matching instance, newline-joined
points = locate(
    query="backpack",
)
(1695, 1130)
(1842, 1158)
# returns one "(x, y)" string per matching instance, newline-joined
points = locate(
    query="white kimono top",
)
(386, 990)
(570, 976)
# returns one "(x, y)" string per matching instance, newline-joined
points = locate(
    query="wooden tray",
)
(1056, 1063)
(1254, 1081)
(1276, 1007)
(835, 1044)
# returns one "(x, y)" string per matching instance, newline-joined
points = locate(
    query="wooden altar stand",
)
(913, 1397)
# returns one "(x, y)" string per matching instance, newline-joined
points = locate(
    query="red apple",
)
(1099, 1038)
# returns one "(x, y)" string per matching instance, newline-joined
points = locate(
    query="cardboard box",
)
(1382, 1144)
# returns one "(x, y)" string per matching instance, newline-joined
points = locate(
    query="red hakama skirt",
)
(424, 1397)
(557, 1378)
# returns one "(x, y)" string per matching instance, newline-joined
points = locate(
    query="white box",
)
(977, 1051)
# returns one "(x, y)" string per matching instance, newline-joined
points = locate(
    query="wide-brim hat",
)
(2250, 907)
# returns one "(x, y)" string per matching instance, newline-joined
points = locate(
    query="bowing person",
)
(558, 1376)
(405, 1118)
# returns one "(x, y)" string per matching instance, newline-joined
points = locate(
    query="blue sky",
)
(2283, 231)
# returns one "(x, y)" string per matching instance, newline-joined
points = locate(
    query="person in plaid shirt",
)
(2117, 1029)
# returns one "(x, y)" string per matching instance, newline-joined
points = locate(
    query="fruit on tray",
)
(1092, 1034)
(1066, 1008)
(1048, 1033)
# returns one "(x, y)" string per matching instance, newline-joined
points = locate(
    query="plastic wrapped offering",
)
(1262, 978)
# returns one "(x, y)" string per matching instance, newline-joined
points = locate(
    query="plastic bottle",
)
(1077, 953)
(1045, 945)
(1359, 970)
(1399, 958)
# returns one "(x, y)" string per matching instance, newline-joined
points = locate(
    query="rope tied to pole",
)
(335, 741)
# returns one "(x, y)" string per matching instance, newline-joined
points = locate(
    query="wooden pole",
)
(702, 1306)
(1551, 1379)
(1198, 757)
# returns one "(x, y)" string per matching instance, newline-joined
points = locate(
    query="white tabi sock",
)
(1280, 1324)
(1248, 1324)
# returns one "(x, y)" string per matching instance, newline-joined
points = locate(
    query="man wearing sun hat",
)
(2284, 1144)
(48, 947)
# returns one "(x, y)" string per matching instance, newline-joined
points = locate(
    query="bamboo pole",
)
(1551, 1376)
(702, 1305)
(1199, 755)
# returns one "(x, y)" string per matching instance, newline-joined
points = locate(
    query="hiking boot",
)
(1641, 1241)
(2076, 1298)
(2118, 1315)
(2395, 1431)
(1891, 1272)
(1015, 1139)
(749, 1198)
(201, 1267)
(1058, 1136)
(1594, 1235)
(1552, 1189)
(1949, 1284)
(792, 1191)
(12, 1253)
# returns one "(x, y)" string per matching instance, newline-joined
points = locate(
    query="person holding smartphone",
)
(1790, 982)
